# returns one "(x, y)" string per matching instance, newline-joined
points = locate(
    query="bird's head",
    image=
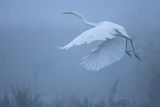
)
(72, 13)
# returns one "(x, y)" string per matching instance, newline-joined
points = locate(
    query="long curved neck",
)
(91, 24)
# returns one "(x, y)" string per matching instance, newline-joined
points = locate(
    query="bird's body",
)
(112, 48)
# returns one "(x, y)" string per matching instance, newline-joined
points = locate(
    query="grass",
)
(24, 97)
(21, 97)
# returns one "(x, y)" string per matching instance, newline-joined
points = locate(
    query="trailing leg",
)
(128, 52)
(134, 52)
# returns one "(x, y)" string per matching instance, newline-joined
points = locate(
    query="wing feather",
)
(100, 32)
(107, 53)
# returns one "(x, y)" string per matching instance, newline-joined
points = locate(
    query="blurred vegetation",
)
(20, 97)
(24, 97)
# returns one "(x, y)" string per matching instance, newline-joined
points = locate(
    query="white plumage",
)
(112, 48)
(105, 54)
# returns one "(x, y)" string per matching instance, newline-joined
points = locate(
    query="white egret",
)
(113, 47)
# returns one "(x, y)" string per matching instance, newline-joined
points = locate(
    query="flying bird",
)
(113, 47)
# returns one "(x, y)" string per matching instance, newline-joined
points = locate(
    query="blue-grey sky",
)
(30, 29)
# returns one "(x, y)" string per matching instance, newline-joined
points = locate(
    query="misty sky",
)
(30, 29)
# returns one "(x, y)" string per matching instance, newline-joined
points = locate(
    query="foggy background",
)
(30, 29)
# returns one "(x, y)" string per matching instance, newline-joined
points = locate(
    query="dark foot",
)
(137, 56)
(129, 53)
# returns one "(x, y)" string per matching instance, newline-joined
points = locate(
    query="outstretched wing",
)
(100, 32)
(105, 54)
